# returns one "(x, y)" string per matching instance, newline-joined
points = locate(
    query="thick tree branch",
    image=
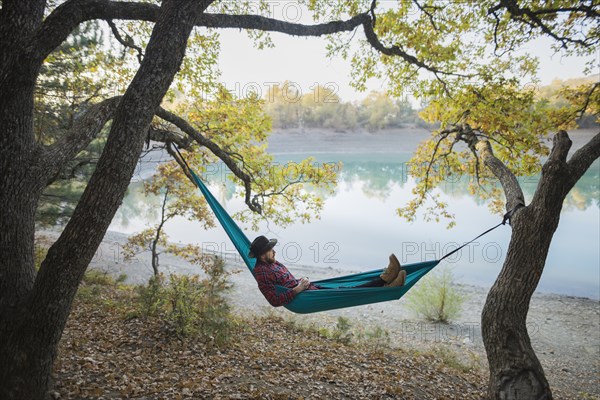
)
(558, 177)
(216, 150)
(561, 143)
(126, 42)
(397, 51)
(66, 17)
(73, 12)
(583, 158)
(83, 131)
(165, 136)
(274, 25)
(71, 173)
(508, 180)
(18, 20)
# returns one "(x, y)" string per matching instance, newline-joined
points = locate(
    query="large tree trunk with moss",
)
(515, 371)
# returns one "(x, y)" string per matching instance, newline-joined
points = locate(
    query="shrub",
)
(375, 337)
(215, 311)
(151, 297)
(190, 305)
(341, 333)
(97, 277)
(435, 297)
(184, 298)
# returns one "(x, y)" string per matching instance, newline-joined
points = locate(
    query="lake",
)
(359, 226)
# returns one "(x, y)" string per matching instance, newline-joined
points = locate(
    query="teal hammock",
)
(336, 292)
(334, 295)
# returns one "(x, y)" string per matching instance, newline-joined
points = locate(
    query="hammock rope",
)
(337, 292)
(505, 219)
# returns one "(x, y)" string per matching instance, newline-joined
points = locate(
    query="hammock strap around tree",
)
(338, 292)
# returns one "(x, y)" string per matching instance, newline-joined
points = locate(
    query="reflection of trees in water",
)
(136, 204)
(587, 190)
(379, 177)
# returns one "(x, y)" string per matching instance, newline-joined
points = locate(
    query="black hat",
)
(260, 246)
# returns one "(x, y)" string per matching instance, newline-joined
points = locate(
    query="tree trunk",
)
(158, 234)
(515, 371)
(29, 341)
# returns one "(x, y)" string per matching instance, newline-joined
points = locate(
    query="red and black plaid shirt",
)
(269, 276)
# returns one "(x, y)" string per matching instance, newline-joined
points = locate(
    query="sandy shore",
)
(564, 330)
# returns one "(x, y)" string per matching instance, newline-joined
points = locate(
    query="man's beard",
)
(270, 259)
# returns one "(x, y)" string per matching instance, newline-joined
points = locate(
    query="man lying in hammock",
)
(270, 273)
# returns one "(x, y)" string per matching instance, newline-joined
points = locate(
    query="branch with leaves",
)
(127, 42)
(216, 150)
(544, 19)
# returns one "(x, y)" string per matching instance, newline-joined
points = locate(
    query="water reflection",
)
(359, 226)
(376, 175)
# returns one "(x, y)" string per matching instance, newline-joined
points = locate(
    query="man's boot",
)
(399, 281)
(391, 272)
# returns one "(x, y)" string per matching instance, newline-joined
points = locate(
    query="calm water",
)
(359, 226)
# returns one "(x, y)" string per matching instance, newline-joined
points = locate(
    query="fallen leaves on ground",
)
(104, 355)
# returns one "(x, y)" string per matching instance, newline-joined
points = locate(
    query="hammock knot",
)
(509, 214)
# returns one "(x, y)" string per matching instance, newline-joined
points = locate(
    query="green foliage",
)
(99, 278)
(435, 297)
(453, 360)
(183, 295)
(75, 74)
(374, 337)
(515, 121)
(94, 283)
(468, 66)
(192, 306)
(151, 297)
(179, 198)
(341, 333)
(79, 72)
(215, 309)
(240, 127)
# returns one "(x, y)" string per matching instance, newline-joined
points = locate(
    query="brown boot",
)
(399, 281)
(391, 272)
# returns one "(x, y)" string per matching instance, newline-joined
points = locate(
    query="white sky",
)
(304, 62)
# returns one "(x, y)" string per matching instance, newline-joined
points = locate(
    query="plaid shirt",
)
(269, 276)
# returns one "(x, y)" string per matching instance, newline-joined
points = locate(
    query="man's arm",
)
(267, 284)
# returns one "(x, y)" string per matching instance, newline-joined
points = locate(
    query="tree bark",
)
(515, 371)
(29, 344)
